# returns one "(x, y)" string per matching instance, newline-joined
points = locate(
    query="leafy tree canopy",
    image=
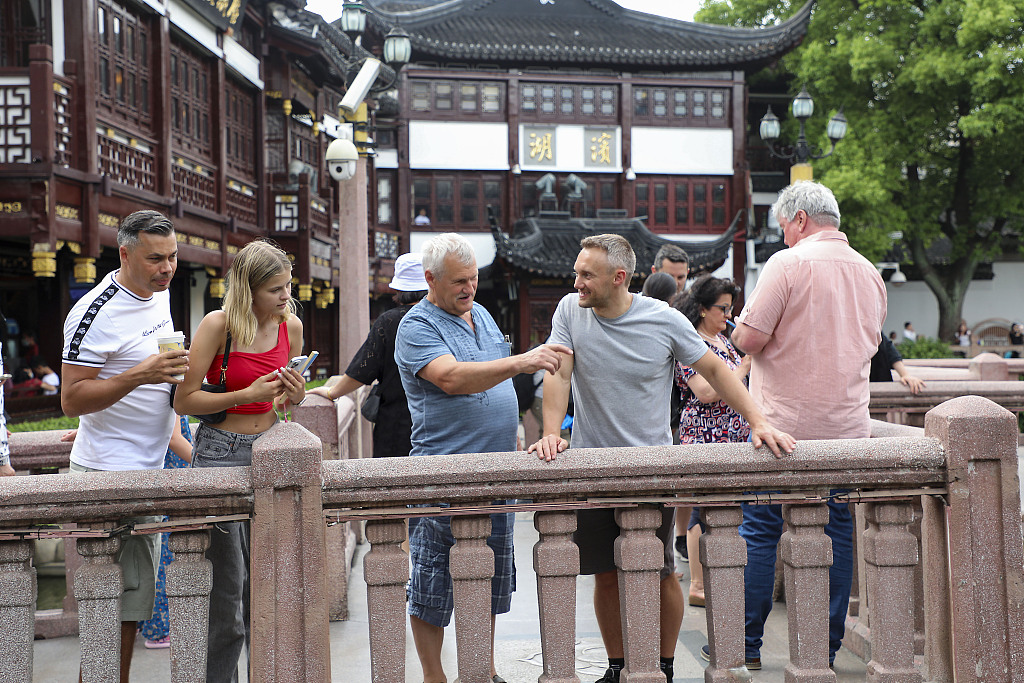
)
(934, 94)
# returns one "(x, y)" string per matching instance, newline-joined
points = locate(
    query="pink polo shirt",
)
(823, 305)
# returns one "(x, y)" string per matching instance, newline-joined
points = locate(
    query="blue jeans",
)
(761, 529)
(229, 625)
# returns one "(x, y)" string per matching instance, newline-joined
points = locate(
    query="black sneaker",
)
(753, 663)
(681, 548)
(610, 676)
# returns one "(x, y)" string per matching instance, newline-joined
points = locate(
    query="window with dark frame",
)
(22, 23)
(688, 204)
(681, 106)
(457, 201)
(240, 130)
(191, 96)
(447, 99)
(122, 62)
(568, 102)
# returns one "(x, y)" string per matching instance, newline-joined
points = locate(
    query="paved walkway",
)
(517, 645)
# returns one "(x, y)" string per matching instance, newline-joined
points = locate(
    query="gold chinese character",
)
(600, 151)
(540, 146)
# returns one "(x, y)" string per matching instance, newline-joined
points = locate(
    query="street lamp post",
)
(801, 152)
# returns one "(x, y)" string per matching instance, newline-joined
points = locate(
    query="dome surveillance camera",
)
(898, 278)
(341, 159)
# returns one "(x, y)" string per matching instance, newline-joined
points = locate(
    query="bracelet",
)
(300, 402)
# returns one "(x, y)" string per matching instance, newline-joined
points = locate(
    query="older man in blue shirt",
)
(456, 369)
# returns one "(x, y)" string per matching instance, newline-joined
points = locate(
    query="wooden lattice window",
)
(191, 95)
(458, 99)
(22, 23)
(240, 130)
(681, 106)
(568, 102)
(123, 81)
(683, 204)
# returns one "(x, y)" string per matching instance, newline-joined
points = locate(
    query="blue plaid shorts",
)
(430, 583)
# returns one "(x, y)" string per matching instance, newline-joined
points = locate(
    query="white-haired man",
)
(811, 325)
(455, 365)
(625, 348)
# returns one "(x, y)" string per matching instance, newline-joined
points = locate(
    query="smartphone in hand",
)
(301, 363)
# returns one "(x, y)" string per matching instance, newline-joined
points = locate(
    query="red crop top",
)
(245, 368)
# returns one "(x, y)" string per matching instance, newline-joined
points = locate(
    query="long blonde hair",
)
(256, 263)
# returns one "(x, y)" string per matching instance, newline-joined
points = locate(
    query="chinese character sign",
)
(601, 148)
(540, 145)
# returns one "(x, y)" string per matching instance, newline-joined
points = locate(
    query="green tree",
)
(934, 93)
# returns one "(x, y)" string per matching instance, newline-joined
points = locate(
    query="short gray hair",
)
(814, 199)
(620, 253)
(152, 222)
(439, 247)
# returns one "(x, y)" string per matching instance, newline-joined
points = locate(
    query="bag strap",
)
(224, 362)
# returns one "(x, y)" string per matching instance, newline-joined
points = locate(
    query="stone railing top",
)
(35, 450)
(592, 473)
(881, 429)
(1006, 394)
(1015, 365)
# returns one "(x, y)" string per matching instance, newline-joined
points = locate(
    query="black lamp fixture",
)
(397, 45)
(801, 152)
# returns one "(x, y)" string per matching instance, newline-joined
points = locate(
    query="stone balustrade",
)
(962, 470)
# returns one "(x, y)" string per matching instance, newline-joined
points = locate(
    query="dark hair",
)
(671, 253)
(660, 286)
(151, 222)
(37, 362)
(704, 292)
(406, 298)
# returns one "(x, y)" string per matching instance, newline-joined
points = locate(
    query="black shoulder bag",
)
(220, 388)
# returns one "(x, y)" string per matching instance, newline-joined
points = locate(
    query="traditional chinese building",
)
(578, 107)
(217, 114)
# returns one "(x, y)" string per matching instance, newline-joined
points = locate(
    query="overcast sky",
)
(676, 9)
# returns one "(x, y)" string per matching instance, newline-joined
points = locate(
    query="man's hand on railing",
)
(548, 447)
(779, 443)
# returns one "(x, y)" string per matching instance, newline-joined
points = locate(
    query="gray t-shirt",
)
(623, 370)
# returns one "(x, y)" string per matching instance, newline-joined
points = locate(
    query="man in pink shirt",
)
(811, 324)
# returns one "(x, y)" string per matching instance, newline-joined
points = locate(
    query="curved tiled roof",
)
(580, 32)
(548, 244)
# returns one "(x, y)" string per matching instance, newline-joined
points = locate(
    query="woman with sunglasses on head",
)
(706, 418)
(258, 321)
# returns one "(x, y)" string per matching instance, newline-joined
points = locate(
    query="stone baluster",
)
(98, 586)
(986, 554)
(17, 610)
(724, 555)
(386, 571)
(640, 555)
(556, 560)
(472, 567)
(938, 643)
(807, 553)
(890, 551)
(189, 579)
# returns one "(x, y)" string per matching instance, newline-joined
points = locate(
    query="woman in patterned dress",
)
(157, 631)
(705, 417)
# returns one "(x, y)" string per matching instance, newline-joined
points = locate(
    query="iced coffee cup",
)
(171, 341)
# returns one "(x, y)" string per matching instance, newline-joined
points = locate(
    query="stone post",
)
(989, 367)
(807, 553)
(290, 638)
(556, 560)
(890, 551)
(17, 611)
(386, 571)
(640, 555)
(188, 580)
(724, 555)
(472, 566)
(986, 553)
(98, 587)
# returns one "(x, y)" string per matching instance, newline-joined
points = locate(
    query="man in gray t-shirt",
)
(624, 351)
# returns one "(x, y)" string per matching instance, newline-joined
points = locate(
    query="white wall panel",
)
(682, 151)
(482, 242)
(454, 145)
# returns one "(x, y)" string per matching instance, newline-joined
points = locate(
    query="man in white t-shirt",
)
(117, 381)
(50, 380)
(625, 347)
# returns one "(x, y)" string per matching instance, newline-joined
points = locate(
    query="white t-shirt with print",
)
(112, 329)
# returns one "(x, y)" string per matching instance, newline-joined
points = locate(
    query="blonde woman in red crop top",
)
(265, 332)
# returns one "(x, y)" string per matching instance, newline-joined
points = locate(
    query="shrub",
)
(65, 423)
(924, 347)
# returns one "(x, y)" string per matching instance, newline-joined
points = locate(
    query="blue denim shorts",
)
(212, 447)
(430, 584)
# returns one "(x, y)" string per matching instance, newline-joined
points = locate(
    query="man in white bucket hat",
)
(375, 361)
